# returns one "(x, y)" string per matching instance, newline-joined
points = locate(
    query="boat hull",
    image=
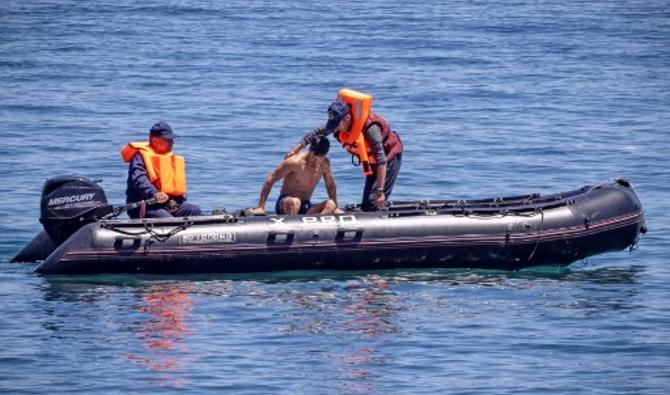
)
(508, 233)
(37, 250)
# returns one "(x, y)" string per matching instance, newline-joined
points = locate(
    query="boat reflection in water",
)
(166, 307)
(372, 318)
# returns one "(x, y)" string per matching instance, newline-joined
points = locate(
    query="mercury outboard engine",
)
(70, 202)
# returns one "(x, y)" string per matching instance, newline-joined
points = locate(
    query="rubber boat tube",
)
(38, 249)
(502, 233)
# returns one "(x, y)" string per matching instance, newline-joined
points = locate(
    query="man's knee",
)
(157, 213)
(193, 210)
(188, 210)
(291, 205)
(329, 207)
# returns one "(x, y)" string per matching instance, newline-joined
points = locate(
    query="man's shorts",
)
(304, 206)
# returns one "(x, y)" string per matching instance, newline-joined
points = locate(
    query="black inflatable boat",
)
(501, 233)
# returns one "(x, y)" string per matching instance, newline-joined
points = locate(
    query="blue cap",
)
(162, 129)
(336, 112)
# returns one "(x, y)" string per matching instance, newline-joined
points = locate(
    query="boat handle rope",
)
(124, 232)
(162, 237)
(153, 235)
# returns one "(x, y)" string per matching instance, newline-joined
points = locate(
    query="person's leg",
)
(278, 208)
(392, 170)
(291, 205)
(368, 196)
(187, 210)
(326, 207)
(305, 205)
(157, 213)
(287, 205)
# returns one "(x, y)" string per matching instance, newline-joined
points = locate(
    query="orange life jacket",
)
(362, 119)
(353, 139)
(166, 171)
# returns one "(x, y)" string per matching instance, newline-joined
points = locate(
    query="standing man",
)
(156, 173)
(301, 173)
(369, 138)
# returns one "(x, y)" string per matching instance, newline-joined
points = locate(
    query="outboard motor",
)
(70, 202)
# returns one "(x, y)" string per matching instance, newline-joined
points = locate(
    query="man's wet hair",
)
(320, 146)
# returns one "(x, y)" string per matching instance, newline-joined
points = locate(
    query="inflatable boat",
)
(500, 233)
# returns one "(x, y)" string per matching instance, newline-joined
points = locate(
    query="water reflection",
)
(361, 314)
(368, 308)
(145, 322)
(349, 322)
(369, 311)
(165, 306)
(362, 306)
(482, 276)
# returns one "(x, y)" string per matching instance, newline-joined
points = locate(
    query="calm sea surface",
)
(491, 98)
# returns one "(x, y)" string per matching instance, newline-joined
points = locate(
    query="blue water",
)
(491, 98)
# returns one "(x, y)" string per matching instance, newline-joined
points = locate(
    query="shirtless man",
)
(301, 173)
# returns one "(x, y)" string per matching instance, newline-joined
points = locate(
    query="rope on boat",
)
(162, 237)
(154, 236)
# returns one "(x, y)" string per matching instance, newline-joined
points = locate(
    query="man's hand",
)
(258, 211)
(380, 199)
(161, 197)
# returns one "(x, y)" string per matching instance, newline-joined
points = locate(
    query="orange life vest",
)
(363, 118)
(166, 171)
(353, 139)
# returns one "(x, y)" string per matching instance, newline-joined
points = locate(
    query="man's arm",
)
(380, 198)
(310, 136)
(141, 182)
(373, 135)
(331, 188)
(280, 172)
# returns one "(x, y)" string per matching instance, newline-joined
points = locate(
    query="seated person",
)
(301, 173)
(154, 172)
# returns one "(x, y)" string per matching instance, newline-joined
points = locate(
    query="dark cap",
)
(162, 129)
(336, 112)
(319, 146)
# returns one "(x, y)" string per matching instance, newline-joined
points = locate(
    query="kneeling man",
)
(301, 173)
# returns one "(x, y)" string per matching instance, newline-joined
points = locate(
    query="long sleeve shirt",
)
(373, 135)
(138, 186)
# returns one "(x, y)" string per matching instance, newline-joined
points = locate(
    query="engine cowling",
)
(70, 202)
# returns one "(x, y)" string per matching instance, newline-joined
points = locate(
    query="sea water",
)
(490, 99)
